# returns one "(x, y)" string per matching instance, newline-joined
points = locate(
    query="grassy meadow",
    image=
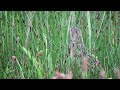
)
(33, 45)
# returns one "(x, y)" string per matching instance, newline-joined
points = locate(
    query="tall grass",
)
(24, 34)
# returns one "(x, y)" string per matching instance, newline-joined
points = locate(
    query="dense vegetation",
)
(35, 44)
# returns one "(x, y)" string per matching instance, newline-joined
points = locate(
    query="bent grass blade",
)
(35, 63)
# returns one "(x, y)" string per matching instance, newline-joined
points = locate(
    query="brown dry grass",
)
(62, 75)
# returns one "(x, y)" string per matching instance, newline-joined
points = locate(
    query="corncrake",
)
(78, 49)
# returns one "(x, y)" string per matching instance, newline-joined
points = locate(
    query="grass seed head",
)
(14, 58)
(39, 53)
